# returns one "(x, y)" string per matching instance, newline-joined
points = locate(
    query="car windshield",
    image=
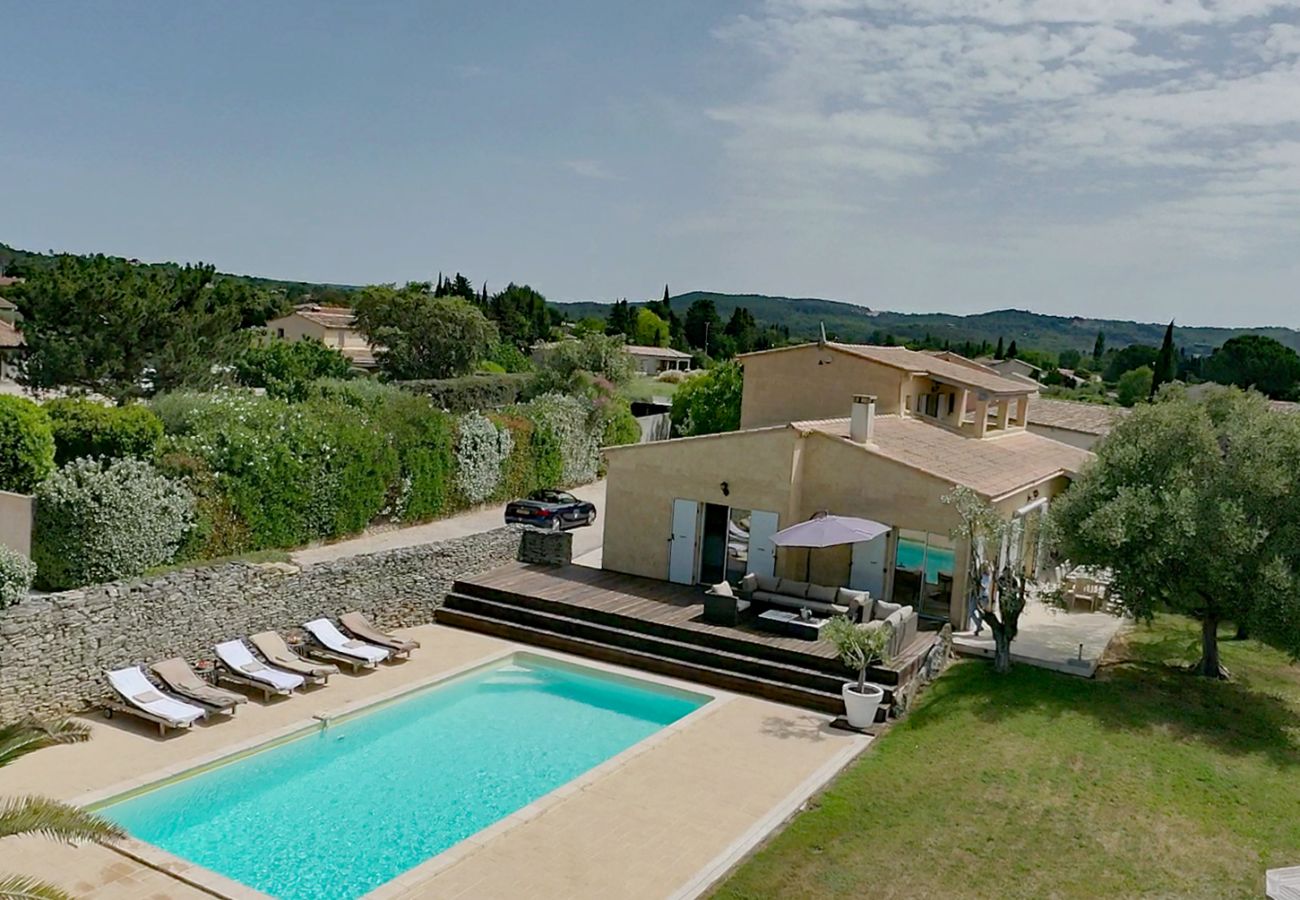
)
(553, 497)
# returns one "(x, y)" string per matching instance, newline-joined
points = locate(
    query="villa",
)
(333, 326)
(881, 433)
(653, 360)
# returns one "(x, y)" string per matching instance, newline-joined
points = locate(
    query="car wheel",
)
(591, 518)
(555, 524)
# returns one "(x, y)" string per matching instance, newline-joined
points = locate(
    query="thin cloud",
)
(590, 168)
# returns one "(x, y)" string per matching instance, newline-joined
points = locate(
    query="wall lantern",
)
(726, 489)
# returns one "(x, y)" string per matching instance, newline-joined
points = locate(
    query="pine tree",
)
(1166, 367)
(999, 353)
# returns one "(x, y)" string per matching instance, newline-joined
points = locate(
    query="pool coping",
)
(221, 886)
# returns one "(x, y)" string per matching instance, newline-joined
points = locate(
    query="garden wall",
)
(55, 648)
(16, 522)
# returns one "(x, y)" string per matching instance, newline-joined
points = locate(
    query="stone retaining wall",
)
(55, 648)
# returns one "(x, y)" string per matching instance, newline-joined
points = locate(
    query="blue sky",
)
(1090, 157)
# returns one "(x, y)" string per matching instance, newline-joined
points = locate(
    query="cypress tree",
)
(666, 298)
(1166, 367)
(999, 353)
(1012, 350)
(1099, 348)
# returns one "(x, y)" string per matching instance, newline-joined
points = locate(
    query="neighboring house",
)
(1013, 368)
(11, 346)
(702, 509)
(8, 312)
(653, 360)
(334, 326)
(1078, 424)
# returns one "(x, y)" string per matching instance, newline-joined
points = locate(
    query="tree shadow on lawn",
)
(1133, 694)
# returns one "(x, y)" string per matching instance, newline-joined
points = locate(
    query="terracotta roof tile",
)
(656, 352)
(1069, 415)
(993, 466)
(975, 376)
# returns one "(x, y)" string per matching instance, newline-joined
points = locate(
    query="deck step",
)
(552, 635)
(667, 647)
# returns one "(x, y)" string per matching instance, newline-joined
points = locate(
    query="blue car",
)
(552, 510)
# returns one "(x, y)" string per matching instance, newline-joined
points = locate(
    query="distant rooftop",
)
(329, 316)
(656, 352)
(1070, 415)
(964, 373)
(9, 336)
(994, 467)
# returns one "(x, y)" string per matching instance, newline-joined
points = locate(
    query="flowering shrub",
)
(16, 574)
(26, 444)
(481, 452)
(572, 425)
(99, 520)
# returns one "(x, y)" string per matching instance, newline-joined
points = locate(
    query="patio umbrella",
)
(825, 530)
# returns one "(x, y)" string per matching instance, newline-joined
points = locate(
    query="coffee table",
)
(790, 624)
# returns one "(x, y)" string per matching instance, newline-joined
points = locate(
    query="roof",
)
(329, 316)
(994, 467)
(10, 336)
(940, 368)
(1069, 415)
(656, 352)
(1284, 406)
(7, 304)
(361, 357)
(6, 280)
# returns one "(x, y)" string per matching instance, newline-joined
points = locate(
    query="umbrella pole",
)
(807, 565)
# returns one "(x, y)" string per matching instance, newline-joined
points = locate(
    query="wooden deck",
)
(643, 599)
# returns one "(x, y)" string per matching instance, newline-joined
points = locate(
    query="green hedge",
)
(84, 428)
(26, 445)
(457, 395)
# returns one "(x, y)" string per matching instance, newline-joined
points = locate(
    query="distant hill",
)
(850, 322)
(293, 290)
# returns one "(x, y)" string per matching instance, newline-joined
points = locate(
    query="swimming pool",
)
(341, 810)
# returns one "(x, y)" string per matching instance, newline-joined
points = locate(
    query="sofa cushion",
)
(858, 602)
(722, 589)
(768, 583)
(792, 588)
(785, 601)
(749, 583)
(895, 620)
(883, 610)
(821, 593)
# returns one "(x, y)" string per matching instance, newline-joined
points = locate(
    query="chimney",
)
(862, 420)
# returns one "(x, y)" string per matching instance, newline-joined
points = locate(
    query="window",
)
(279, 332)
(923, 572)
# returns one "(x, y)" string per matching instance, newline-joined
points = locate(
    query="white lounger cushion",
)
(239, 658)
(325, 632)
(139, 691)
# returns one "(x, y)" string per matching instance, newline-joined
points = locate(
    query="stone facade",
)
(55, 648)
(546, 548)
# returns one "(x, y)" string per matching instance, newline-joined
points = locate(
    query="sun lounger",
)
(277, 652)
(145, 701)
(324, 631)
(241, 668)
(177, 675)
(361, 628)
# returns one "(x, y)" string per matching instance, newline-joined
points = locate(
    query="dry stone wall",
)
(55, 648)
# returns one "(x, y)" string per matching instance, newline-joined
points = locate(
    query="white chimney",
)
(862, 421)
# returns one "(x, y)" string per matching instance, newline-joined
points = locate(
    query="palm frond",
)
(17, 739)
(21, 887)
(52, 819)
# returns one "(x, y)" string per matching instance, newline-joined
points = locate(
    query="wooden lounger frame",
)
(319, 651)
(117, 706)
(225, 673)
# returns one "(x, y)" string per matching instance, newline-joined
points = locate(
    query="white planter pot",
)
(860, 709)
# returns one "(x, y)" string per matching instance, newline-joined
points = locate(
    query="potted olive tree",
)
(858, 647)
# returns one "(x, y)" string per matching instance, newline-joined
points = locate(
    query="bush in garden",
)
(596, 354)
(100, 520)
(26, 445)
(620, 426)
(522, 473)
(570, 423)
(287, 368)
(217, 530)
(84, 428)
(16, 574)
(489, 391)
(481, 452)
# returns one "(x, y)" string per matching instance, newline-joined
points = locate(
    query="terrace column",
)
(1022, 413)
(958, 413)
(981, 416)
(1004, 413)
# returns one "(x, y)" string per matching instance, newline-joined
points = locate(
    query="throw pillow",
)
(749, 583)
(722, 589)
(883, 610)
(858, 602)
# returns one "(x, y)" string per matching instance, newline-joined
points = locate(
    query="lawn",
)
(1143, 781)
(644, 387)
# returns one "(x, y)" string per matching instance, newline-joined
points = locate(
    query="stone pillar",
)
(981, 416)
(546, 548)
(1022, 412)
(958, 413)
(1004, 413)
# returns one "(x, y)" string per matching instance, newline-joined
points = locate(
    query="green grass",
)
(1146, 780)
(643, 387)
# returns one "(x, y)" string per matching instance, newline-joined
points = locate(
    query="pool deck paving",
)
(1051, 638)
(664, 818)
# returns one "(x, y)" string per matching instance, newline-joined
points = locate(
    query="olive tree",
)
(999, 591)
(1192, 505)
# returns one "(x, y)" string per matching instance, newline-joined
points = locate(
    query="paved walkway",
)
(665, 818)
(1051, 638)
(585, 540)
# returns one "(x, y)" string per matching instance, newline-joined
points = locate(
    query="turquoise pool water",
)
(336, 813)
(912, 553)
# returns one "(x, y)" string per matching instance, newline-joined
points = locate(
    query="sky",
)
(1102, 158)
